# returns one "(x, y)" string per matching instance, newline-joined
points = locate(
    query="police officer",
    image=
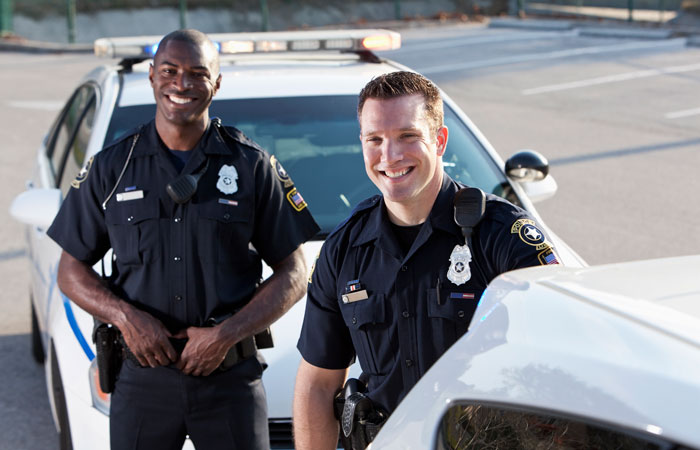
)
(189, 208)
(396, 284)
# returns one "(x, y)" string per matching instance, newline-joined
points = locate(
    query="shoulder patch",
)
(547, 256)
(296, 200)
(313, 266)
(83, 174)
(280, 173)
(529, 233)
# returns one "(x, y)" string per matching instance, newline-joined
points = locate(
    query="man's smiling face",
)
(184, 78)
(402, 154)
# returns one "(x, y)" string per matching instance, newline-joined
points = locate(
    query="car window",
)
(477, 426)
(317, 141)
(75, 154)
(67, 145)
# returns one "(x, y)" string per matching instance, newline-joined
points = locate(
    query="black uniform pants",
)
(155, 408)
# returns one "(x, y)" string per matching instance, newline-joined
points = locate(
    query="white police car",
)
(295, 93)
(604, 357)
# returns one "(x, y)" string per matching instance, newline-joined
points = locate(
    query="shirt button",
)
(405, 314)
(404, 268)
(178, 297)
(177, 258)
(130, 218)
(409, 362)
(227, 216)
(354, 320)
(177, 220)
(460, 314)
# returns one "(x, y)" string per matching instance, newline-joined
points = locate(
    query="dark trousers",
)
(155, 408)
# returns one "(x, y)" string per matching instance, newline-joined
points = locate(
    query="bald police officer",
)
(396, 284)
(186, 289)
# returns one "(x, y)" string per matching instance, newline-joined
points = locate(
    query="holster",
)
(108, 352)
(360, 420)
(244, 348)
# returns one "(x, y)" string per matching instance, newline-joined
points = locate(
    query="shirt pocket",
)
(369, 329)
(133, 230)
(224, 233)
(450, 317)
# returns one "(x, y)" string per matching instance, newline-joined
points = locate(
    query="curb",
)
(611, 29)
(21, 45)
(531, 24)
(623, 32)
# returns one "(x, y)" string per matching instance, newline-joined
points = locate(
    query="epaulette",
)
(501, 210)
(234, 134)
(362, 207)
(126, 135)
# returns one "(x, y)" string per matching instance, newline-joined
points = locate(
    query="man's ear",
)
(217, 85)
(441, 140)
(151, 73)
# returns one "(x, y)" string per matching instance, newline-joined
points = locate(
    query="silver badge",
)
(459, 272)
(227, 180)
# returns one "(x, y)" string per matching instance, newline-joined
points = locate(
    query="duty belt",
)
(242, 350)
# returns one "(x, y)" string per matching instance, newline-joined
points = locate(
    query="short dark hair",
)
(398, 84)
(196, 38)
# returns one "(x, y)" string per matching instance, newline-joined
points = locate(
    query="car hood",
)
(616, 344)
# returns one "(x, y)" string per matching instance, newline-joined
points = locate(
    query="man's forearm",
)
(145, 335)
(315, 426)
(84, 287)
(271, 300)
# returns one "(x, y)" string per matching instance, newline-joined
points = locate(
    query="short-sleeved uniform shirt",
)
(399, 312)
(184, 263)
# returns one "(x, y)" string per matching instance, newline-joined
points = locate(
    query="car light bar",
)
(262, 42)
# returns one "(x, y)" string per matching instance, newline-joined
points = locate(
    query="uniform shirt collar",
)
(441, 217)
(211, 142)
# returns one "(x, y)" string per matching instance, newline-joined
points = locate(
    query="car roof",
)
(259, 77)
(617, 344)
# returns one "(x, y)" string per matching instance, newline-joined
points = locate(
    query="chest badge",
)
(460, 258)
(228, 175)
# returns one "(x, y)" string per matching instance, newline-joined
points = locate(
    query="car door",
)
(59, 161)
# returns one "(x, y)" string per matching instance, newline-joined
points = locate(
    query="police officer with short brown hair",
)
(396, 284)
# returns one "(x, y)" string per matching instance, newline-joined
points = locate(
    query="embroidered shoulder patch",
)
(296, 200)
(547, 256)
(83, 174)
(280, 173)
(528, 232)
(313, 266)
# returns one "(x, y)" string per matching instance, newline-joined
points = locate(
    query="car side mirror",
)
(527, 166)
(36, 207)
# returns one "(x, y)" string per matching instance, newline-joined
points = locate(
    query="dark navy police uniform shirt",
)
(184, 263)
(399, 312)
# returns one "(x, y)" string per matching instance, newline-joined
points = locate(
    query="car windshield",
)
(317, 141)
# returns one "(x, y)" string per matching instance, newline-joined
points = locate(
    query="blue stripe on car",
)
(76, 330)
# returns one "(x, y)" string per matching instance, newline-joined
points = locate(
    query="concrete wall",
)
(163, 20)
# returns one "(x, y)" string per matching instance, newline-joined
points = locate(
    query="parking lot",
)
(618, 118)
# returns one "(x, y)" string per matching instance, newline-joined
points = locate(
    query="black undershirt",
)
(405, 235)
(180, 158)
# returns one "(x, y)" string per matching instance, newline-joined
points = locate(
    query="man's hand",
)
(204, 351)
(147, 339)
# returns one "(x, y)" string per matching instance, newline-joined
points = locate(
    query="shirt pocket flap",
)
(132, 212)
(455, 306)
(372, 310)
(224, 211)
